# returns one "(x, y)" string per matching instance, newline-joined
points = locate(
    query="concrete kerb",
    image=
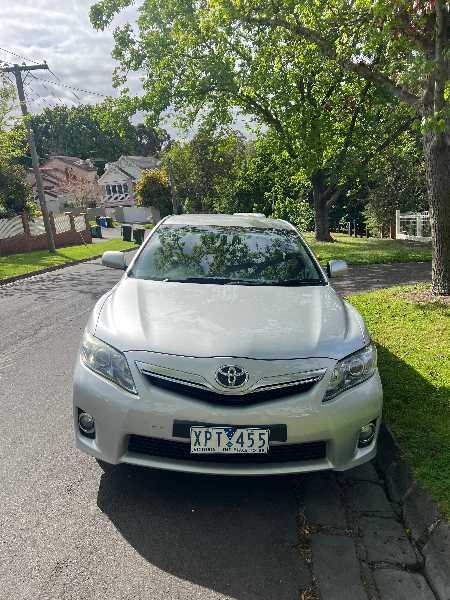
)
(10, 280)
(421, 517)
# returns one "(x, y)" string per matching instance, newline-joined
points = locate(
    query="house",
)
(69, 182)
(117, 182)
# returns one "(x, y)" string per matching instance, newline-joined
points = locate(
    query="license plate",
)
(229, 440)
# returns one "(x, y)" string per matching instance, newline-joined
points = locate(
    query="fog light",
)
(86, 423)
(366, 434)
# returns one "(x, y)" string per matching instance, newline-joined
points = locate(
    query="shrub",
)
(153, 189)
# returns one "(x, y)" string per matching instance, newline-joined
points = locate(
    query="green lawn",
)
(414, 359)
(29, 262)
(365, 251)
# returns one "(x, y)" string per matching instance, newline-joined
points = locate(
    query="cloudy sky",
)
(59, 31)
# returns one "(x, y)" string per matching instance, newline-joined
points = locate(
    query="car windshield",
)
(226, 255)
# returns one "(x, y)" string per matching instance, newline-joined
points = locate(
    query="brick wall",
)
(26, 242)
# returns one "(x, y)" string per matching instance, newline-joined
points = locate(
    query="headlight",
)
(352, 370)
(107, 361)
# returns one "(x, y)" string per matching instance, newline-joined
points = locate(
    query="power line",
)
(39, 80)
(71, 87)
(58, 82)
(19, 55)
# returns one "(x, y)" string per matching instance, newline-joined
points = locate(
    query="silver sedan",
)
(224, 349)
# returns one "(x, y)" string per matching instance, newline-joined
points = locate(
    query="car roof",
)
(239, 220)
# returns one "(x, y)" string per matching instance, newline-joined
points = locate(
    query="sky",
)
(59, 31)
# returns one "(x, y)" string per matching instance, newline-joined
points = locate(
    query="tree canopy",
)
(15, 193)
(329, 78)
(93, 132)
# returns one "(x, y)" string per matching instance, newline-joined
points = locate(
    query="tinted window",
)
(218, 254)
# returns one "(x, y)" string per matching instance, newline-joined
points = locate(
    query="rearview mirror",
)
(114, 259)
(336, 268)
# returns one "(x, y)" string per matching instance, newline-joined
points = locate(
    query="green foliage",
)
(15, 193)
(153, 189)
(413, 340)
(101, 132)
(397, 182)
(209, 59)
(297, 211)
(209, 172)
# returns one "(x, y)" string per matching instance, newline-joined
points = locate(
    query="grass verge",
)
(367, 251)
(413, 342)
(33, 262)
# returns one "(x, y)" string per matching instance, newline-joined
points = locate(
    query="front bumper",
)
(120, 415)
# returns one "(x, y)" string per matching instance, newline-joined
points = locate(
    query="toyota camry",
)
(224, 349)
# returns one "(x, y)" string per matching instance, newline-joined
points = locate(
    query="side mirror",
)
(336, 268)
(114, 259)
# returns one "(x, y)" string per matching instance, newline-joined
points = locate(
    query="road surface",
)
(71, 531)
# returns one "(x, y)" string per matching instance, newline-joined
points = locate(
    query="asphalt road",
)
(68, 530)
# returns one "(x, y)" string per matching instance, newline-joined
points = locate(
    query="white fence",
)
(413, 226)
(62, 223)
(80, 223)
(11, 227)
(37, 226)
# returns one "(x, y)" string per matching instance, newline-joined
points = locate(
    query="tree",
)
(207, 169)
(401, 48)
(92, 132)
(210, 59)
(15, 193)
(397, 181)
(210, 56)
(153, 189)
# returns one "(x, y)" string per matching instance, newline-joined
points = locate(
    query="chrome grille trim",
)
(262, 385)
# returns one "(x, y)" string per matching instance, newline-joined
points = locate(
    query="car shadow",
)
(236, 536)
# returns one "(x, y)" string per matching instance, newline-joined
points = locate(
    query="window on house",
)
(108, 190)
(125, 188)
(114, 189)
(119, 188)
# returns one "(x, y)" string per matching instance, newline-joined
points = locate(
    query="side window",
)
(108, 190)
(119, 188)
(125, 188)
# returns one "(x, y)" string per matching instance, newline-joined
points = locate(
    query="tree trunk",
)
(321, 223)
(437, 161)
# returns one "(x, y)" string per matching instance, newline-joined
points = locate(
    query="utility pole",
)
(17, 72)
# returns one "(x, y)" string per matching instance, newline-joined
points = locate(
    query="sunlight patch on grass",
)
(31, 262)
(365, 251)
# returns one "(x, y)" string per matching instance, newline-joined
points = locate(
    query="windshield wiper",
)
(296, 282)
(211, 280)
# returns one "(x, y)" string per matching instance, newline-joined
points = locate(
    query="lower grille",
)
(181, 451)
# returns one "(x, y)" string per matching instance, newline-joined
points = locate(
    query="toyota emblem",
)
(231, 376)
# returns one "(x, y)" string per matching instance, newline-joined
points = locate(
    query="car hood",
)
(203, 320)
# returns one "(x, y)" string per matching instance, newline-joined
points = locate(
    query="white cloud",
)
(59, 31)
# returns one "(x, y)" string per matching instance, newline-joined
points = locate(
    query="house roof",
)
(87, 165)
(131, 166)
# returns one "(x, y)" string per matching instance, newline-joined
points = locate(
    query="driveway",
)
(366, 278)
(71, 531)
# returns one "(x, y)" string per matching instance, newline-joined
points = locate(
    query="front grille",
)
(181, 451)
(207, 395)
